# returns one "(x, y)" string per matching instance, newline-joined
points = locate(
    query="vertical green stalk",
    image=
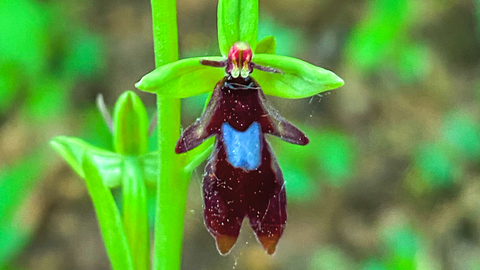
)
(172, 183)
(135, 213)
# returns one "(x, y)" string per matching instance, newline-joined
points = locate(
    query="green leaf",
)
(237, 21)
(298, 80)
(266, 45)
(108, 216)
(135, 213)
(130, 124)
(108, 163)
(181, 79)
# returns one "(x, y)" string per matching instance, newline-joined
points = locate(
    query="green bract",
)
(238, 21)
(130, 123)
(127, 236)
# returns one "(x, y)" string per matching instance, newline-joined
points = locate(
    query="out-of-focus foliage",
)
(380, 41)
(390, 179)
(327, 160)
(16, 183)
(42, 58)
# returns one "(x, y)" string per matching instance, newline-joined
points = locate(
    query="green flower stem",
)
(135, 213)
(172, 183)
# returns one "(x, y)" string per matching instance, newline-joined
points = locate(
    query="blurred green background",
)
(390, 180)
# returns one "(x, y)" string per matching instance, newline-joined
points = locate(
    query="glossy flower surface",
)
(242, 177)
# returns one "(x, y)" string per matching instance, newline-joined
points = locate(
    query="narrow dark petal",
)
(266, 200)
(202, 129)
(266, 69)
(214, 63)
(280, 126)
(224, 198)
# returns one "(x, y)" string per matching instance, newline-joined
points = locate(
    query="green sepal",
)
(109, 164)
(298, 80)
(237, 21)
(266, 45)
(108, 215)
(182, 79)
(186, 78)
(130, 125)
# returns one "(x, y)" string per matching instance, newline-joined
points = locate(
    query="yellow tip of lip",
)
(225, 243)
(269, 243)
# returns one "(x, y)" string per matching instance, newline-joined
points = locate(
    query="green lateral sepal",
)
(298, 80)
(182, 79)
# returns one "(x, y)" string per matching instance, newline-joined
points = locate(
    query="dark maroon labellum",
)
(242, 177)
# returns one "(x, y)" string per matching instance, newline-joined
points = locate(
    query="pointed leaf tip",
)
(130, 125)
(299, 80)
(266, 45)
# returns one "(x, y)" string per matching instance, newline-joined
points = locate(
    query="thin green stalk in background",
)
(172, 182)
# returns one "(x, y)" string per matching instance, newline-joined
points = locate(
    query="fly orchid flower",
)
(242, 177)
